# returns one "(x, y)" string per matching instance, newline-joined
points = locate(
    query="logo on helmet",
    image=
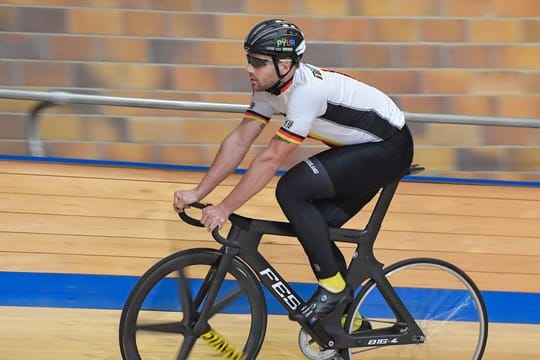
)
(285, 43)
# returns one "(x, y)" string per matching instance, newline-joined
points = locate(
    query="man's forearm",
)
(228, 158)
(254, 180)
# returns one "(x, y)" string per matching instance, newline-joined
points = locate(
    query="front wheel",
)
(442, 299)
(158, 318)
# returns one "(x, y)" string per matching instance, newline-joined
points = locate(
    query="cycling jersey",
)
(328, 106)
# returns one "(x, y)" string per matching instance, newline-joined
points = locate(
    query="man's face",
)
(262, 73)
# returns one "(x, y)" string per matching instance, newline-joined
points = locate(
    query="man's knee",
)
(289, 185)
(282, 190)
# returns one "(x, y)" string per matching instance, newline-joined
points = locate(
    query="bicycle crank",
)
(312, 350)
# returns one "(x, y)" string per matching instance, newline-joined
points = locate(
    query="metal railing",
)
(55, 98)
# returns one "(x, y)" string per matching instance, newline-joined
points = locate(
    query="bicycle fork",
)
(201, 327)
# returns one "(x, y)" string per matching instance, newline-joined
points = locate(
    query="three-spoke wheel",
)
(161, 313)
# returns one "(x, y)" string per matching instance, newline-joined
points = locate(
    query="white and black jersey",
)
(329, 106)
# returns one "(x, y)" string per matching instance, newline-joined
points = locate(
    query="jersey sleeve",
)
(305, 105)
(259, 110)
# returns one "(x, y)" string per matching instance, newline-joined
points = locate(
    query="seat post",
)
(384, 200)
(381, 207)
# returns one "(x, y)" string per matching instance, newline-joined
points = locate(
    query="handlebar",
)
(196, 222)
(191, 220)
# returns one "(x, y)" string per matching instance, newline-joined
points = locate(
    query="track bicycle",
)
(204, 303)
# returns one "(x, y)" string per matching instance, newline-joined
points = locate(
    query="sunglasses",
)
(257, 62)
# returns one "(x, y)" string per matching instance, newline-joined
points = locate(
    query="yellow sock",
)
(334, 284)
(357, 322)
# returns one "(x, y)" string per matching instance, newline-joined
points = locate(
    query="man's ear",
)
(284, 66)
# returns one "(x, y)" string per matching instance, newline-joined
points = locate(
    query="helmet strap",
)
(276, 88)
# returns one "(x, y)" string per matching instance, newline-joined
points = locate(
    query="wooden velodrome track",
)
(81, 219)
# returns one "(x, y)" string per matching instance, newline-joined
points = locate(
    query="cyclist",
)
(369, 147)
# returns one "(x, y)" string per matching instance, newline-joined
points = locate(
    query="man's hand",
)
(214, 217)
(183, 198)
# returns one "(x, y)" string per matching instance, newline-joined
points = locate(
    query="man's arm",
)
(259, 173)
(231, 152)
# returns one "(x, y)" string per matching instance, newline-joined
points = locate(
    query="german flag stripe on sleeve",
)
(287, 135)
(257, 117)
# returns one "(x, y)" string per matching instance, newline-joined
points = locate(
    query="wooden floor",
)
(60, 218)
(74, 334)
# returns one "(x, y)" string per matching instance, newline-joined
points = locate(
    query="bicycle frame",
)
(244, 238)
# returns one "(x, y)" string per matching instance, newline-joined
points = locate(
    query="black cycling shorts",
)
(330, 187)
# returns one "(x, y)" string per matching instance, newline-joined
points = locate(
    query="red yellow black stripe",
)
(327, 141)
(289, 136)
(257, 117)
(286, 86)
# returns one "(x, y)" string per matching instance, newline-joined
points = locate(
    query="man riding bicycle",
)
(369, 146)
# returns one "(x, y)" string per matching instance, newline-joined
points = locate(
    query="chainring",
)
(312, 351)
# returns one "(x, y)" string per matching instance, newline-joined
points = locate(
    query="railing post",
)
(35, 145)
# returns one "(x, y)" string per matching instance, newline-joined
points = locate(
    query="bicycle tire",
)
(153, 320)
(444, 301)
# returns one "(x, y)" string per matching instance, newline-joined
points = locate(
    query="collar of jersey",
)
(286, 86)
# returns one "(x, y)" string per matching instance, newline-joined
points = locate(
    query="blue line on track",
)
(110, 292)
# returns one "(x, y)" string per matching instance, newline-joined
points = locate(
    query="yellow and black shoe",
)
(322, 302)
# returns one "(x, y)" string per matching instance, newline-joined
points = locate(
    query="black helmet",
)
(277, 38)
